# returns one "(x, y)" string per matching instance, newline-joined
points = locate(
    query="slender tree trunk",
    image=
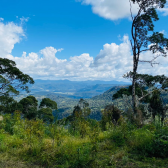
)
(135, 64)
(133, 96)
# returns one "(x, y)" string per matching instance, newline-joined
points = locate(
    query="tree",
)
(45, 113)
(155, 85)
(146, 87)
(82, 109)
(110, 114)
(12, 80)
(157, 106)
(142, 40)
(29, 107)
(8, 104)
(46, 102)
(78, 120)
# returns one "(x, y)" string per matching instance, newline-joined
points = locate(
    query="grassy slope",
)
(30, 144)
(107, 158)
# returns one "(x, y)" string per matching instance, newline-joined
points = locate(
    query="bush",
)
(117, 136)
(110, 114)
(150, 141)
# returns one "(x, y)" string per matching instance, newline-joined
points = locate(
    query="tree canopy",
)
(46, 102)
(128, 91)
(29, 107)
(12, 80)
(8, 104)
(82, 109)
(46, 114)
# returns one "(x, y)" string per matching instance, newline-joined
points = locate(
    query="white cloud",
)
(164, 10)
(111, 9)
(110, 64)
(1, 19)
(24, 19)
(115, 9)
(10, 34)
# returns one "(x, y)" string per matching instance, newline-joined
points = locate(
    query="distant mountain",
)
(88, 82)
(72, 89)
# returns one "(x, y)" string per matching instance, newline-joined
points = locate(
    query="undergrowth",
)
(33, 143)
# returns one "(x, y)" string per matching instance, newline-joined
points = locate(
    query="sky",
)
(76, 40)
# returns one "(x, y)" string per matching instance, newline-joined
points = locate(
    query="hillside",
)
(66, 104)
(67, 94)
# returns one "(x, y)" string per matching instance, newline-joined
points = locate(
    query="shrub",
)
(150, 141)
(110, 114)
(118, 137)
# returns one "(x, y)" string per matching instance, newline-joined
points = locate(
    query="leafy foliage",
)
(46, 102)
(128, 91)
(12, 80)
(110, 114)
(82, 109)
(7, 104)
(121, 145)
(157, 106)
(145, 80)
(45, 114)
(29, 107)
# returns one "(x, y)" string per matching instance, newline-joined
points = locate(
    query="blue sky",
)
(70, 39)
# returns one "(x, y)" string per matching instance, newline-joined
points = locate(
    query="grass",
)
(34, 144)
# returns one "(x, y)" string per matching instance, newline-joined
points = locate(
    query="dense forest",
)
(126, 126)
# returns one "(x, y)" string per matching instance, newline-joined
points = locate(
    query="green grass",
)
(34, 144)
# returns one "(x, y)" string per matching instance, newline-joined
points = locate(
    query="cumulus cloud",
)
(111, 9)
(111, 62)
(10, 34)
(114, 10)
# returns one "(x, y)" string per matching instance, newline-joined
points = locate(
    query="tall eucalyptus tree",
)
(144, 38)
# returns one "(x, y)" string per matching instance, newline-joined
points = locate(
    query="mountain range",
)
(73, 89)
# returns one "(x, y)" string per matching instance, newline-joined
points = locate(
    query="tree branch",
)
(151, 62)
(145, 95)
(145, 50)
(131, 10)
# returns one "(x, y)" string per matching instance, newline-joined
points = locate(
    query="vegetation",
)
(111, 114)
(133, 131)
(32, 138)
(33, 143)
(12, 80)
(139, 91)
(144, 38)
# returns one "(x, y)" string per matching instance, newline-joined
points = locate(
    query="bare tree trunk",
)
(135, 65)
(133, 96)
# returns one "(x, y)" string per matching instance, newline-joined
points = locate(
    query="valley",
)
(67, 94)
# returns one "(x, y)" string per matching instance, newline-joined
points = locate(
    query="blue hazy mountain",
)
(73, 89)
